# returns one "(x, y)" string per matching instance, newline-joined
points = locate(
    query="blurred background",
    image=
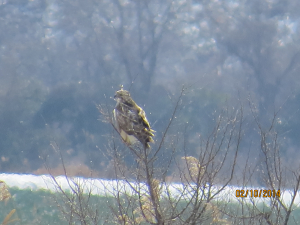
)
(60, 58)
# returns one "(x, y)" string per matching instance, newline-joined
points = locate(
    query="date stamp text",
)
(257, 193)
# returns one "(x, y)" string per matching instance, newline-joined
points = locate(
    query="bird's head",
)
(122, 95)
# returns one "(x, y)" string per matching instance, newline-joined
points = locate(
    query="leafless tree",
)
(74, 199)
(145, 191)
(275, 200)
(152, 198)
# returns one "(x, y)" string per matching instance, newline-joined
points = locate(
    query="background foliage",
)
(60, 58)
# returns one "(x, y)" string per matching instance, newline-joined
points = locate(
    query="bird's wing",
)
(143, 119)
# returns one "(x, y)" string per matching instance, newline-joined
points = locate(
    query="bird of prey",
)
(130, 120)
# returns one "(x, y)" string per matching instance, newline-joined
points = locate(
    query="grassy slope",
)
(39, 208)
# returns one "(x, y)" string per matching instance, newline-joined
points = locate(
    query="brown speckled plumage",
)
(130, 120)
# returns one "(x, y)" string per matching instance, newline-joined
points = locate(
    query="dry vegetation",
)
(5, 196)
(150, 197)
(145, 193)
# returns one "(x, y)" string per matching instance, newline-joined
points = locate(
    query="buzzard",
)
(130, 120)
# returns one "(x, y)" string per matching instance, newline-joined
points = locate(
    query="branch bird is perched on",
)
(130, 120)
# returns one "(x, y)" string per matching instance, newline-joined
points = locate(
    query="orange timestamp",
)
(257, 193)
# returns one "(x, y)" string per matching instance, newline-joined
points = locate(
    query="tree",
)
(257, 40)
(274, 200)
(150, 196)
